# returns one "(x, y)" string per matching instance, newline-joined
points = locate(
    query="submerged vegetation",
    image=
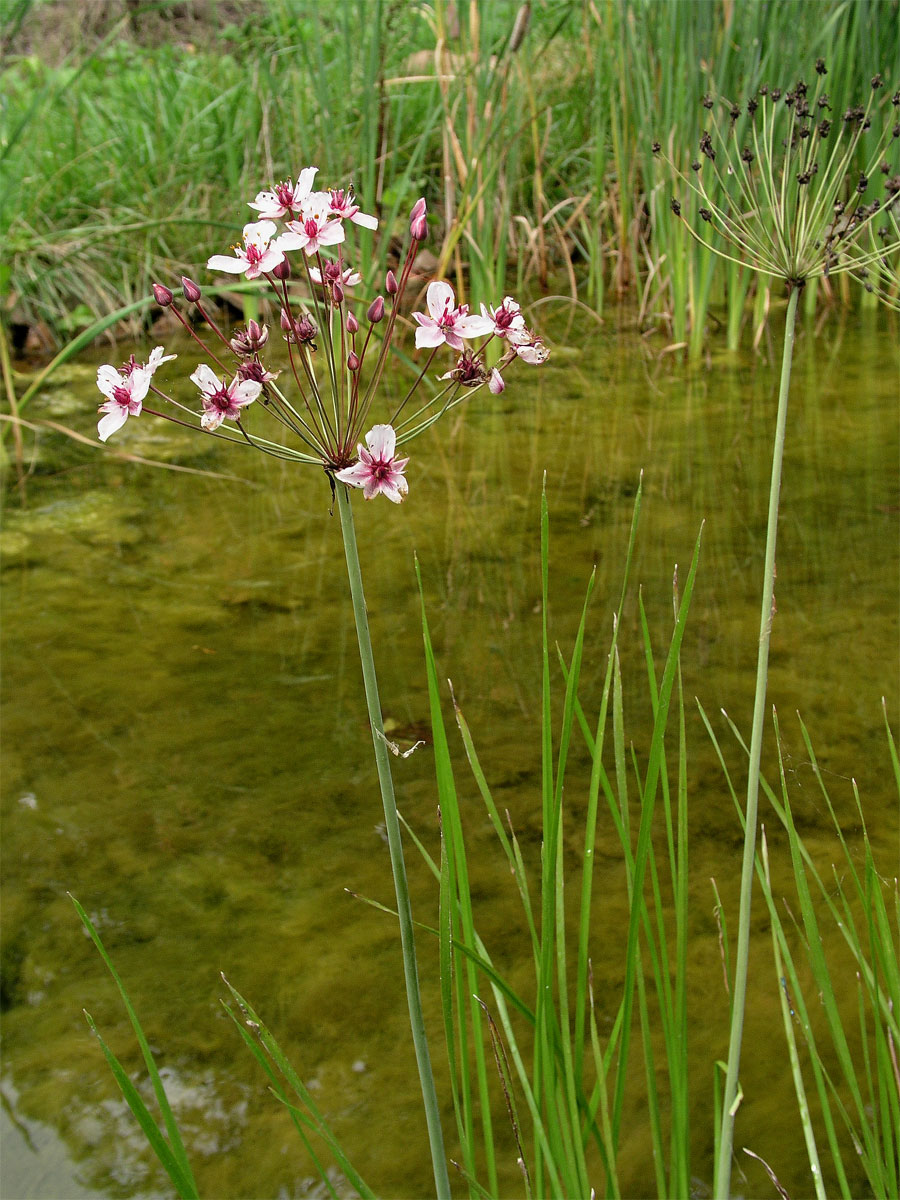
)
(528, 127)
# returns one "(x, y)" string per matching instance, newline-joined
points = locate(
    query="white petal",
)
(365, 220)
(429, 335)
(317, 204)
(107, 379)
(272, 257)
(246, 391)
(265, 202)
(382, 442)
(259, 231)
(140, 383)
(212, 420)
(394, 488)
(206, 380)
(470, 327)
(331, 233)
(534, 355)
(439, 297)
(111, 422)
(291, 241)
(221, 262)
(305, 182)
(157, 358)
(355, 476)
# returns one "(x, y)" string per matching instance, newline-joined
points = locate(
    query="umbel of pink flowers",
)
(337, 347)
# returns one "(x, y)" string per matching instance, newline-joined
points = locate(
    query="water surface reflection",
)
(186, 746)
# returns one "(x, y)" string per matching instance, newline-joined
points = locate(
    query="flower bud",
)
(418, 225)
(337, 293)
(352, 361)
(258, 334)
(248, 341)
(305, 329)
(255, 372)
(376, 310)
(163, 296)
(390, 283)
(496, 383)
(282, 270)
(191, 292)
(352, 323)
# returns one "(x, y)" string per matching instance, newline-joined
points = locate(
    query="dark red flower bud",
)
(352, 361)
(282, 270)
(390, 283)
(301, 331)
(163, 296)
(376, 310)
(191, 292)
(337, 293)
(352, 323)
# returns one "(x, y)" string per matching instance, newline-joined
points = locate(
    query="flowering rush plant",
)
(337, 344)
(337, 348)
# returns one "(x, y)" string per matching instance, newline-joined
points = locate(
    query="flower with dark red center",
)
(506, 318)
(285, 198)
(445, 322)
(258, 254)
(223, 401)
(343, 206)
(378, 469)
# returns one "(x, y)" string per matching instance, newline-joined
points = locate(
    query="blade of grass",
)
(177, 1147)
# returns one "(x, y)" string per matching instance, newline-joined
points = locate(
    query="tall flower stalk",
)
(338, 348)
(786, 188)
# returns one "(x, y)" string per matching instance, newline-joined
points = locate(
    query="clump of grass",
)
(837, 919)
(563, 1090)
(535, 154)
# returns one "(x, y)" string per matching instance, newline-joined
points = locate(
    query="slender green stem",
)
(392, 824)
(723, 1165)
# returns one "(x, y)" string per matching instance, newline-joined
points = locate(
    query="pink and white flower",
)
(343, 206)
(285, 198)
(333, 274)
(125, 394)
(506, 319)
(445, 322)
(220, 400)
(257, 255)
(528, 346)
(378, 469)
(315, 227)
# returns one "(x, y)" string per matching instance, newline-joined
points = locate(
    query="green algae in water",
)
(186, 747)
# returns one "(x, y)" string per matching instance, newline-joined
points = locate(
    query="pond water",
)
(186, 748)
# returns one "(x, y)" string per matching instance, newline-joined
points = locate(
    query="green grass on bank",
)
(527, 126)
